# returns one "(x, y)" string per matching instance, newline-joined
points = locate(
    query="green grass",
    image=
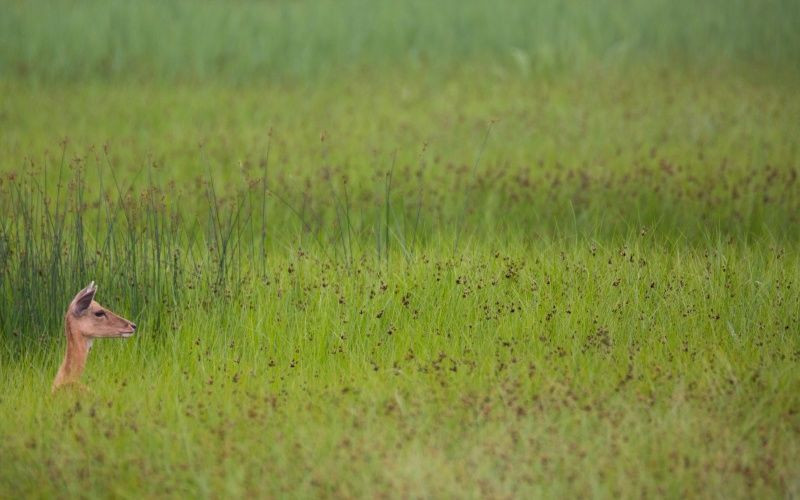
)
(184, 40)
(372, 256)
(556, 369)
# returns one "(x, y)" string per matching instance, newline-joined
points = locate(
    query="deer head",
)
(91, 320)
(85, 321)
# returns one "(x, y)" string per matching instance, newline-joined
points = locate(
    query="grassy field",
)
(403, 249)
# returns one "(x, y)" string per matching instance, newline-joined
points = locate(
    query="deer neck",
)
(75, 356)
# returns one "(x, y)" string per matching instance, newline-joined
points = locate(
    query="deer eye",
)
(100, 314)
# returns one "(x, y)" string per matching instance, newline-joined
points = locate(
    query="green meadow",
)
(403, 249)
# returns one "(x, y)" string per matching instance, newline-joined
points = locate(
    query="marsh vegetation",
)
(398, 250)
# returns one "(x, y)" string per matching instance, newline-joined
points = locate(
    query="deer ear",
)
(83, 299)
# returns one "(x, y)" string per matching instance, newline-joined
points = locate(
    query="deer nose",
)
(133, 326)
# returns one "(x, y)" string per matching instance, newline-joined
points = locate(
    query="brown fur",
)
(85, 321)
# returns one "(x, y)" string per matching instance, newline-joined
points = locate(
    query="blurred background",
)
(602, 115)
(242, 41)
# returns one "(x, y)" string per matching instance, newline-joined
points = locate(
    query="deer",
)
(85, 321)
